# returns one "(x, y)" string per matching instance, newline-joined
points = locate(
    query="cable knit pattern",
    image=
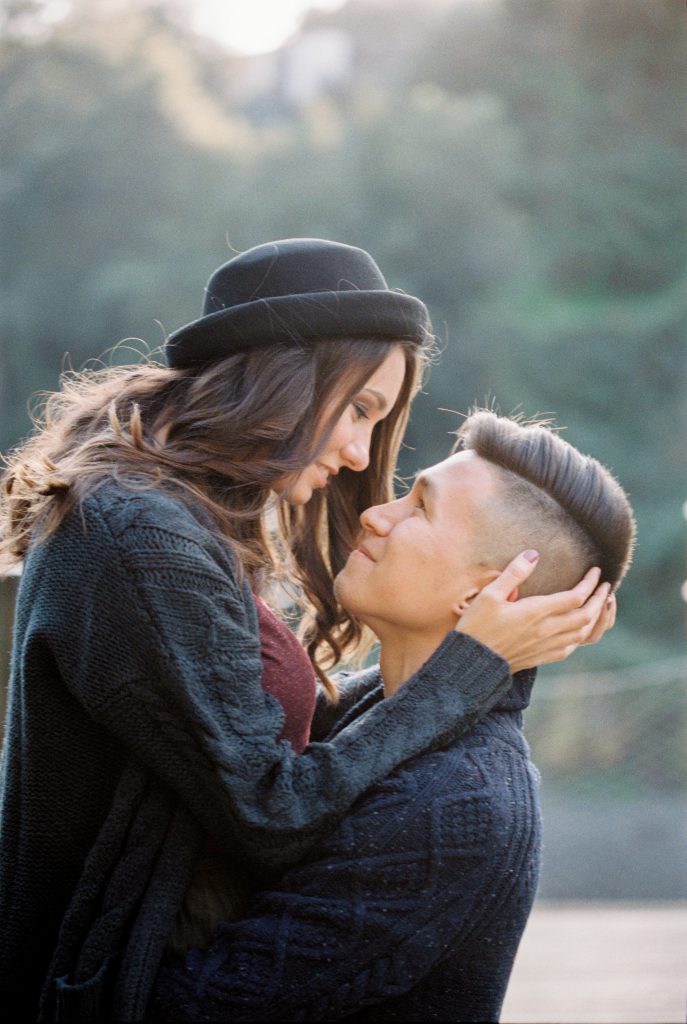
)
(137, 722)
(411, 910)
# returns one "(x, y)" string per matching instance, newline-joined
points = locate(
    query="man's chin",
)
(340, 588)
(347, 593)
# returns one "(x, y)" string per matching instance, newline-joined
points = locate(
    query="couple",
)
(159, 712)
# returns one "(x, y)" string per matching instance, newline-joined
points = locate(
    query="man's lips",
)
(362, 550)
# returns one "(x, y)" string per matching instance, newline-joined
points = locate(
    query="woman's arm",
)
(154, 636)
(158, 642)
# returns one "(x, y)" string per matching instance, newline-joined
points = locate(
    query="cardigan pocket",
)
(82, 1003)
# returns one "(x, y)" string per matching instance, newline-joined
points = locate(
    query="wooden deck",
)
(601, 963)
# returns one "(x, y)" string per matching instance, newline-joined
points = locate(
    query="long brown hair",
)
(220, 436)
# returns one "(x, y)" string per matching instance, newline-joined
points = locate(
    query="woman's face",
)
(349, 441)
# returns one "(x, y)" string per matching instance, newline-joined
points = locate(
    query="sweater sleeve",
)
(157, 640)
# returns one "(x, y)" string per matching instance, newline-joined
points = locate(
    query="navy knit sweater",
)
(137, 724)
(410, 910)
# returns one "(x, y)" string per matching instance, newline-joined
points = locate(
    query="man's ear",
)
(465, 600)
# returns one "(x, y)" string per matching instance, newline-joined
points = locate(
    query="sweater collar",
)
(520, 693)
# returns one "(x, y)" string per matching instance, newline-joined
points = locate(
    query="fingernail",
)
(532, 555)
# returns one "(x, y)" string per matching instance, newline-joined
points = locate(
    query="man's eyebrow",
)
(379, 398)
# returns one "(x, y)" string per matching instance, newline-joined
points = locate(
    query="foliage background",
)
(519, 164)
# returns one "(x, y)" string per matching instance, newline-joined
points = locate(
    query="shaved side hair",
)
(552, 498)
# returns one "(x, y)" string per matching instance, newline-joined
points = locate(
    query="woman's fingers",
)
(513, 576)
(565, 633)
(587, 585)
(579, 622)
(580, 594)
(605, 620)
(613, 610)
(557, 635)
(594, 609)
(541, 629)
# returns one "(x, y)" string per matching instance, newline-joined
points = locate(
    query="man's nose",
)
(378, 519)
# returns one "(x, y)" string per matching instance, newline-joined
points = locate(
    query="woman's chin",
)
(293, 492)
(298, 495)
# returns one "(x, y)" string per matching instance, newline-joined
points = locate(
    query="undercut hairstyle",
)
(220, 436)
(552, 498)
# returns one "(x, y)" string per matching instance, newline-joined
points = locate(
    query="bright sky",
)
(254, 26)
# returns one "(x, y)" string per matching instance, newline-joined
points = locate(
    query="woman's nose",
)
(356, 454)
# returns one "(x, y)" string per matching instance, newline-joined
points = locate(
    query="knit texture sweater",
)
(137, 724)
(220, 888)
(411, 909)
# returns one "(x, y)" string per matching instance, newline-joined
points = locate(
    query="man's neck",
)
(402, 655)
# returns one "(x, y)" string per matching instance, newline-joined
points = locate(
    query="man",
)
(413, 907)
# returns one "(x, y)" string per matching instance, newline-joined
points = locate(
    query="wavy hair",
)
(220, 436)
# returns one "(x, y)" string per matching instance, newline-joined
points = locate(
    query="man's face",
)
(419, 557)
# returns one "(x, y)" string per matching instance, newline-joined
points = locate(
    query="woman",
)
(139, 735)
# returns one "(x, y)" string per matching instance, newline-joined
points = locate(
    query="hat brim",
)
(293, 319)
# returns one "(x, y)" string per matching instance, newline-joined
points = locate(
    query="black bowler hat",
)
(295, 290)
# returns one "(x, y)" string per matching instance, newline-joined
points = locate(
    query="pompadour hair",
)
(588, 499)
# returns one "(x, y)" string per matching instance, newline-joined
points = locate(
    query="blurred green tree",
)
(522, 171)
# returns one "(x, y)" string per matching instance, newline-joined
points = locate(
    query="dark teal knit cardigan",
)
(137, 724)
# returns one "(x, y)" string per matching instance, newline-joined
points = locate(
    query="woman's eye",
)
(419, 504)
(361, 411)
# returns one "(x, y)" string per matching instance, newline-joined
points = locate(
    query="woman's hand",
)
(538, 630)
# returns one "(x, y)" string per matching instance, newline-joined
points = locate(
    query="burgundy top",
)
(288, 675)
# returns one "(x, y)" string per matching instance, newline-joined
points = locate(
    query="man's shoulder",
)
(479, 760)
